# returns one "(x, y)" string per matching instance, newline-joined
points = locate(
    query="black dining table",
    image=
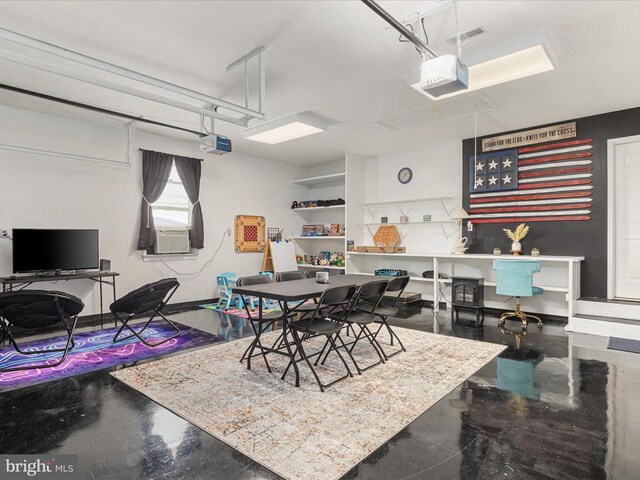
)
(297, 291)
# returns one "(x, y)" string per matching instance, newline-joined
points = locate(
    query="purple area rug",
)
(94, 350)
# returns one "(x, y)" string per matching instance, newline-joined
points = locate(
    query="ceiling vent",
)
(464, 37)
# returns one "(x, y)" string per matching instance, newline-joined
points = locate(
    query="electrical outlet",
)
(228, 232)
(4, 233)
(469, 226)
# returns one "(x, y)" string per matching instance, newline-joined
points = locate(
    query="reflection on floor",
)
(560, 406)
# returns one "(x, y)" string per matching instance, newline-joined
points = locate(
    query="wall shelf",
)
(413, 278)
(315, 209)
(324, 237)
(416, 200)
(561, 282)
(329, 267)
(322, 180)
(475, 256)
(436, 222)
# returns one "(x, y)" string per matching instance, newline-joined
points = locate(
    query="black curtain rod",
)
(97, 109)
(170, 154)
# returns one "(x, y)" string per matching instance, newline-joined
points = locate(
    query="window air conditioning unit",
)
(172, 241)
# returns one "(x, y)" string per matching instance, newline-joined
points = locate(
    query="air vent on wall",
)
(385, 125)
(467, 35)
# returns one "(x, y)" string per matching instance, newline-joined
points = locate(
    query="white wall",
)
(45, 191)
(437, 172)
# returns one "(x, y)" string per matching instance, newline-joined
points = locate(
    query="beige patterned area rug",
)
(301, 433)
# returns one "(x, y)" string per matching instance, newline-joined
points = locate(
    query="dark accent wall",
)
(588, 238)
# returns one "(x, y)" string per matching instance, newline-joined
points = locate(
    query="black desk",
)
(295, 291)
(20, 282)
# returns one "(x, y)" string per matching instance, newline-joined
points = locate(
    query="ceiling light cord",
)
(401, 39)
(475, 141)
(458, 41)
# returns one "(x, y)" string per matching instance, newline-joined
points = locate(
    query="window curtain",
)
(156, 168)
(190, 171)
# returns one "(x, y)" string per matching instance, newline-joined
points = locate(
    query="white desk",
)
(569, 266)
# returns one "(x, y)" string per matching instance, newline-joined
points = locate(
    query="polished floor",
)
(559, 407)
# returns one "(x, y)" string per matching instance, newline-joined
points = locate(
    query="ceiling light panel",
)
(517, 59)
(287, 128)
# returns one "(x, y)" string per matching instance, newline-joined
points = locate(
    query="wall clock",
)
(405, 175)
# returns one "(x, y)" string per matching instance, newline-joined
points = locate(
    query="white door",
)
(626, 221)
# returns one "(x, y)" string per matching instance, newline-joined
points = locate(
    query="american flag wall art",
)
(540, 183)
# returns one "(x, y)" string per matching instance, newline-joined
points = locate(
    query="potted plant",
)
(497, 251)
(515, 236)
(535, 252)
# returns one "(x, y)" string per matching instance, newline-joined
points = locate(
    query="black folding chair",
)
(338, 300)
(36, 309)
(362, 318)
(398, 285)
(303, 308)
(264, 322)
(148, 299)
(289, 276)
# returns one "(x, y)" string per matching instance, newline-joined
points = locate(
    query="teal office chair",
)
(515, 279)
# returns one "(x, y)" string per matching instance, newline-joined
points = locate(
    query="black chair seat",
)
(268, 316)
(317, 325)
(379, 310)
(149, 299)
(361, 318)
(306, 308)
(35, 309)
(338, 298)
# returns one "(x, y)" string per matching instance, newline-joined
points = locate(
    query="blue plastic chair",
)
(515, 279)
(225, 283)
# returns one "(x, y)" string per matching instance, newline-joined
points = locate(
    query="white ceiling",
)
(336, 58)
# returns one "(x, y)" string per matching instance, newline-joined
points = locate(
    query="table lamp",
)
(458, 215)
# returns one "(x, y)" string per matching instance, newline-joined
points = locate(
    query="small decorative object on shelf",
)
(336, 230)
(426, 218)
(299, 259)
(390, 272)
(317, 203)
(337, 259)
(535, 252)
(376, 249)
(274, 234)
(518, 234)
(351, 246)
(460, 245)
(384, 219)
(404, 219)
(322, 277)
(323, 258)
(497, 251)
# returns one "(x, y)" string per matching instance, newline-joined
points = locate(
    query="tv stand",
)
(19, 283)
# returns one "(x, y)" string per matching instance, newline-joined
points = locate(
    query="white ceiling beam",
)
(124, 72)
(93, 80)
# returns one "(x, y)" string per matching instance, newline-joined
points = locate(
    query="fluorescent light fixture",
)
(521, 58)
(287, 128)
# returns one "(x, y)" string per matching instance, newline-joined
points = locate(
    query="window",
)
(173, 208)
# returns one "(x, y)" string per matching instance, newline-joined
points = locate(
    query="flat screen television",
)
(39, 250)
